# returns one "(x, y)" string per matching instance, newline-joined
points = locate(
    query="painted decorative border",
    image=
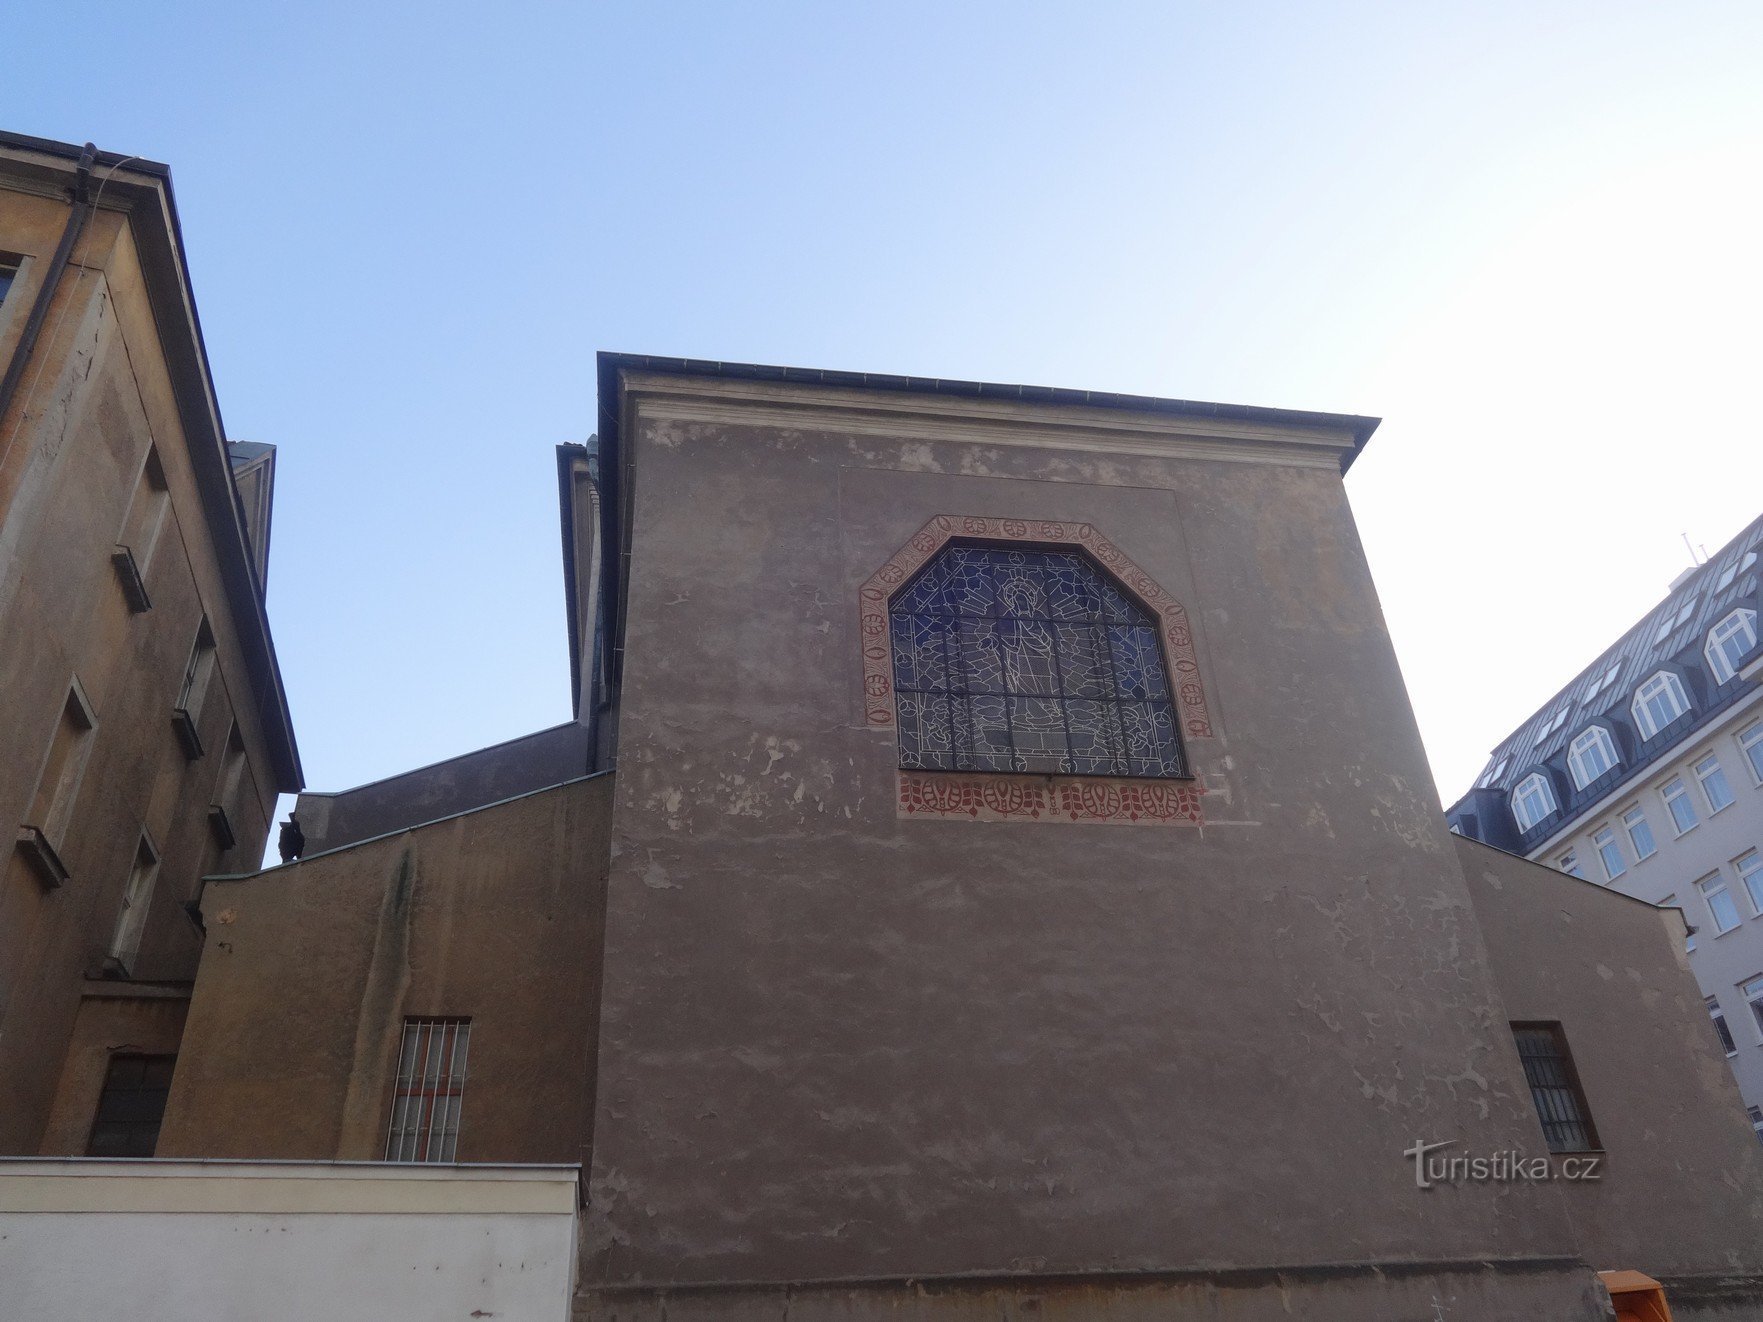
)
(989, 797)
(878, 659)
(1116, 801)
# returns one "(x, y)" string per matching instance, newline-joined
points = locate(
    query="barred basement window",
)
(1029, 660)
(431, 1086)
(1554, 1088)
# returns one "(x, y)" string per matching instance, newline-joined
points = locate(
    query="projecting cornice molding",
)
(668, 397)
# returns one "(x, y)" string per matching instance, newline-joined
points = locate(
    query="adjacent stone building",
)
(1645, 774)
(989, 868)
(144, 734)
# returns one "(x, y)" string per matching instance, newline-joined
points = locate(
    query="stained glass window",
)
(1029, 660)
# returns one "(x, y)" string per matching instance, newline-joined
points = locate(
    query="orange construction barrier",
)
(1638, 1297)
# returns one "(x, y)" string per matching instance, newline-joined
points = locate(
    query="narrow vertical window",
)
(1721, 905)
(1640, 834)
(137, 898)
(1749, 866)
(1609, 853)
(1721, 1031)
(131, 1107)
(43, 833)
(224, 809)
(140, 532)
(1554, 1088)
(431, 1086)
(1714, 786)
(1751, 744)
(1755, 1115)
(186, 716)
(1677, 799)
(8, 273)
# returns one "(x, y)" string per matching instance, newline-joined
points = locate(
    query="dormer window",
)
(1659, 702)
(1493, 773)
(1728, 642)
(1533, 800)
(1591, 754)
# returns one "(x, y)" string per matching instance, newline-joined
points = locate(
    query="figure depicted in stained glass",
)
(1028, 660)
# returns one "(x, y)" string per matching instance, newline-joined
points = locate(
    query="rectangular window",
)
(431, 1086)
(140, 531)
(1640, 834)
(1609, 853)
(1721, 1031)
(1677, 798)
(131, 1106)
(1714, 784)
(1554, 1088)
(1689, 938)
(1752, 991)
(43, 832)
(186, 716)
(1751, 742)
(137, 897)
(8, 273)
(1756, 1117)
(1720, 902)
(1570, 864)
(1749, 866)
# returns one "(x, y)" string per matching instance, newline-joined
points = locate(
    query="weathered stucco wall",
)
(310, 969)
(1681, 1193)
(71, 453)
(113, 1017)
(838, 1044)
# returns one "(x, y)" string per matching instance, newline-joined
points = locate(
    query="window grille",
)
(1029, 660)
(431, 1086)
(131, 1106)
(1554, 1088)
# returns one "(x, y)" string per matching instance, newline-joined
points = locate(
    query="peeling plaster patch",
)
(753, 1058)
(1606, 972)
(655, 877)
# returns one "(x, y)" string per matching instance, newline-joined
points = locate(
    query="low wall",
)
(184, 1241)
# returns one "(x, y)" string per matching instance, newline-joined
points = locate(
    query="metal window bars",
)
(430, 1089)
(1554, 1088)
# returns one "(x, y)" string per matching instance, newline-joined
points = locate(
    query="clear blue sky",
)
(1524, 234)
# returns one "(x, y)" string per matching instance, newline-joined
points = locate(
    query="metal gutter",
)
(78, 214)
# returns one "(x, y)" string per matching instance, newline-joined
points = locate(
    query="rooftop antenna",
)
(1692, 550)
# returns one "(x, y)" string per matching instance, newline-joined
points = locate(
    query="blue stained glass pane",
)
(1138, 662)
(1029, 660)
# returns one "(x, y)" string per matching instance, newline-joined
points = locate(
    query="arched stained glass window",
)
(1029, 660)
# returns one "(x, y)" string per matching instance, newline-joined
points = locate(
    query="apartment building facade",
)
(144, 734)
(1645, 774)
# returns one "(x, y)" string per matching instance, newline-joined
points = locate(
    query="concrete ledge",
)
(285, 1188)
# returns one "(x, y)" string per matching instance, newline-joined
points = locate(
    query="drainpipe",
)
(70, 235)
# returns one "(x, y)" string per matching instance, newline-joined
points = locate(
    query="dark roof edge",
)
(151, 207)
(1361, 427)
(567, 455)
(1567, 876)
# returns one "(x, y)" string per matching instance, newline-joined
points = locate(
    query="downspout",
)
(70, 235)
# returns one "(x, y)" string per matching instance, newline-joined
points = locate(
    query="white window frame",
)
(1604, 841)
(1584, 768)
(1749, 866)
(1755, 1115)
(1726, 577)
(1632, 816)
(1659, 684)
(1752, 990)
(1718, 1016)
(1708, 771)
(1670, 796)
(1722, 662)
(1751, 745)
(1569, 863)
(1547, 794)
(1715, 884)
